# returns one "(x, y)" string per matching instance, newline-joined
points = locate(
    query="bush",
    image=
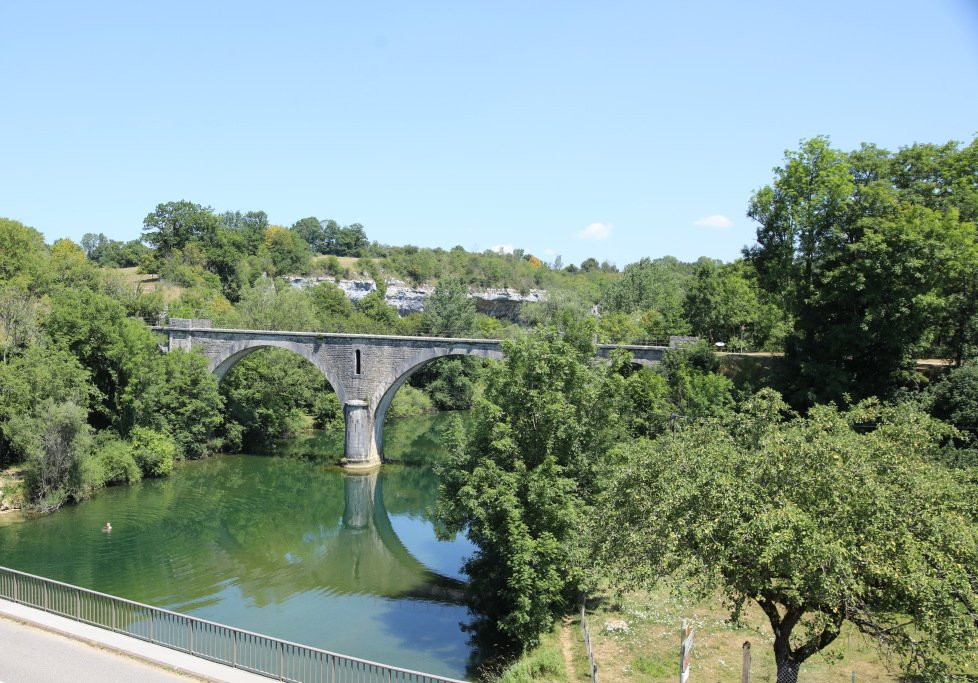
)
(410, 402)
(117, 462)
(327, 412)
(153, 451)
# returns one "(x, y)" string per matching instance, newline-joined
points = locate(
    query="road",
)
(32, 655)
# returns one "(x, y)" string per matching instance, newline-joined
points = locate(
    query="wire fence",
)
(587, 644)
(278, 659)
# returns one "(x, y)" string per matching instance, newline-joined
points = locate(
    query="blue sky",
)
(606, 129)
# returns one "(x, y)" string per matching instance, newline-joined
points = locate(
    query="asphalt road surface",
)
(32, 655)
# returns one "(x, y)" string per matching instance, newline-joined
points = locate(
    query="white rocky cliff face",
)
(498, 303)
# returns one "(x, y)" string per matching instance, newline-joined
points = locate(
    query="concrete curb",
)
(148, 653)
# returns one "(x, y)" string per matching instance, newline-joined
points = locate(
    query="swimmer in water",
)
(107, 527)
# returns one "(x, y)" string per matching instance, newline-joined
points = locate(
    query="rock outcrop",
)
(503, 303)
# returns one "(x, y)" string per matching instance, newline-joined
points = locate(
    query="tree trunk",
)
(788, 670)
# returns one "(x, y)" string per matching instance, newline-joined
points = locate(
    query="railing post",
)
(281, 661)
(191, 648)
(234, 649)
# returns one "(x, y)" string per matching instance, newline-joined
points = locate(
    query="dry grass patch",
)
(637, 639)
(148, 282)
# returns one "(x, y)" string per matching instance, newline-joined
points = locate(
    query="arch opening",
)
(433, 384)
(274, 393)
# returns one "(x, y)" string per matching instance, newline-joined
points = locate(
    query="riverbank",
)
(12, 500)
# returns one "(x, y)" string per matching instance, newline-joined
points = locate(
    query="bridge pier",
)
(359, 447)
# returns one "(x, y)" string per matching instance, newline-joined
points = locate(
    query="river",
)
(285, 546)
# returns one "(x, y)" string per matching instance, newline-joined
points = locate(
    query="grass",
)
(646, 650)
(148, 282)
(544, 664)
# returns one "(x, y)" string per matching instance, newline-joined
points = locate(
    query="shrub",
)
(116, 460)
(327, 412)
(410, 402)
(153, 451)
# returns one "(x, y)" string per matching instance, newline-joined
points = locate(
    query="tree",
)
(20, 318)
(857, 269)
(23, 253)
(448, 311)
(268, 393)
(270, 306)
(659, 285)
(57, 441)
(837, 517)
(954, 399)
(311, 230)
(519, 481)
(40, 374)
(178, 397)
(173, 224)
(288, 252)
(720, 304)
(113, 347)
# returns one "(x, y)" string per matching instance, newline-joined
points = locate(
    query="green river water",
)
(284, 546)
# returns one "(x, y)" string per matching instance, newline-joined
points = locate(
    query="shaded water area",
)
(284, 546)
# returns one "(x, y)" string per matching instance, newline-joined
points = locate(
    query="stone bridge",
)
(365, 370)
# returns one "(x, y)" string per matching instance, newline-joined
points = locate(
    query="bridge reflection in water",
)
(366, 554)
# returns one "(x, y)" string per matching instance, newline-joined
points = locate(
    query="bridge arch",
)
(231, 356)
(402, 373)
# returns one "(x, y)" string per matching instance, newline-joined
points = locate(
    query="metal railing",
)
(263, 655)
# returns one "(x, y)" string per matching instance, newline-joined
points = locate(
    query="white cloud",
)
(715, 221)
(595, 231)
(550, 251)
(503, 249)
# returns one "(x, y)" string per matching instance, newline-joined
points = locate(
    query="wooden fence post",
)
(745, 672)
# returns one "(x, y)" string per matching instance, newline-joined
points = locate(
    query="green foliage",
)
(154, 452)
(658, 285)
(448, 311)
(178, 395)
(326, 411)
(113, 347)
(410, 402)
(114, 459)
(23, 253)
(519, 481)
(20, 317)
(268, 305)
(954, 399)
(269, 393)
(330, 304)
(173, 225)
(720, 304)
(866, 260)
(375, 309)
(696, 387)
(57, 441)
(450, 382)
(286, 251)
(830, 518)
(39, 375)
(110, 253)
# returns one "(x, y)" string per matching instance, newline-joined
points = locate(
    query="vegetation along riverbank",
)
(825, 492)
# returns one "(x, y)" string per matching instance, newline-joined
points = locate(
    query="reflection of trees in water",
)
(274, 527)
